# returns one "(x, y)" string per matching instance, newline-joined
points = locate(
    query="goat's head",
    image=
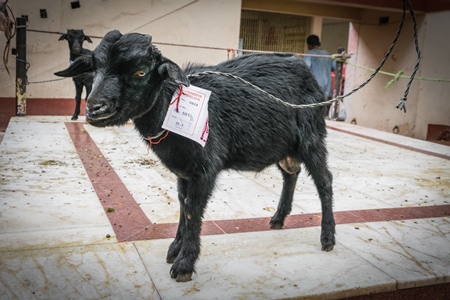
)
(129, 72)
(75, 37)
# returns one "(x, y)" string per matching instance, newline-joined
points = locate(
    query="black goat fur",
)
(248, 131)
(75, 39)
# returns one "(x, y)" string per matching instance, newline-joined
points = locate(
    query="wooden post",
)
(21, 67)
(337, 84)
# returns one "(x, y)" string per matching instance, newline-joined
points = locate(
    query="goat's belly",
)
(248, 166)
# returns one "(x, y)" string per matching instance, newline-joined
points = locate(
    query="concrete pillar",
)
(316, 26)
(21, 69)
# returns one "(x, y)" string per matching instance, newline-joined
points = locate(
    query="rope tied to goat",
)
(263, 91)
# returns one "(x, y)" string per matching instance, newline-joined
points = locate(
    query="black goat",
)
(75, 38)
(248, 130)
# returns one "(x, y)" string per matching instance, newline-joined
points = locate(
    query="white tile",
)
(109, 271)
(413, 252)
(47, 199)
(29, 239)
(266, 265)
(45, 212)
(396, 138)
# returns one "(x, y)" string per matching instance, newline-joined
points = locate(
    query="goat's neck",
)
(74, 56)
(150, 124)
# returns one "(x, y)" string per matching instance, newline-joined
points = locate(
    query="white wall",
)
(210, 23)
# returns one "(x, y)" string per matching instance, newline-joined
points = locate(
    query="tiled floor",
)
(57, 240)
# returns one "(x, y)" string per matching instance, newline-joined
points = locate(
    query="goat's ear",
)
(169, 69)
(86, 38)
(109, 39)
(63, 37)
(82, 64)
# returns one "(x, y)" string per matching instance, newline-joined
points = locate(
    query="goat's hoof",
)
(183, 277)
(327, 248)
(276, 224)
(170, 260)
(74, 118)
(180, 277)
(328, 241)
(181, 271)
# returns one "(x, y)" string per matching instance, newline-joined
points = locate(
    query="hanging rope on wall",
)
(402, 105)
(9, 27)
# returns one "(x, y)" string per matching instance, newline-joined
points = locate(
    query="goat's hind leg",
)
(317, 166)
(290, 169)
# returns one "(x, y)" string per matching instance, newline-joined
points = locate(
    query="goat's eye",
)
(140, 73)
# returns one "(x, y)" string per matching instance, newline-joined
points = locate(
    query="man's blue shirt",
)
(321, 67)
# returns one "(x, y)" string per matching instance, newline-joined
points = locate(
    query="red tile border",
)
(38, 107)
(131, 224)
(428, 292)
(127, 217)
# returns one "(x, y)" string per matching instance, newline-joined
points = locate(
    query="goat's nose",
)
(95, 107)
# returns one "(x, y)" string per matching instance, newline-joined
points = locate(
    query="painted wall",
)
(433, 105)
(210, 23)
(374, 105)
(428, 102)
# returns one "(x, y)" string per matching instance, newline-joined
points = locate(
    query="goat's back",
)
(281, 75)
(252, 129)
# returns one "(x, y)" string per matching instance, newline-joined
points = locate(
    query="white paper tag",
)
(188, 113)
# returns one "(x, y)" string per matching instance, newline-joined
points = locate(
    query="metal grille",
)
(273, 31)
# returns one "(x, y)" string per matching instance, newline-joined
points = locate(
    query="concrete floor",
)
(57, 240)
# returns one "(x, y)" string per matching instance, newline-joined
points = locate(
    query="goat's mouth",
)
(99, 115)
(76, 50)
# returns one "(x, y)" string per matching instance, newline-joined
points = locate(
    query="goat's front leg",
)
(78, 91)
(188, 247)
(175, 246)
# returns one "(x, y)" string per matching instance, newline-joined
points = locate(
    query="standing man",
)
(321, 67)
